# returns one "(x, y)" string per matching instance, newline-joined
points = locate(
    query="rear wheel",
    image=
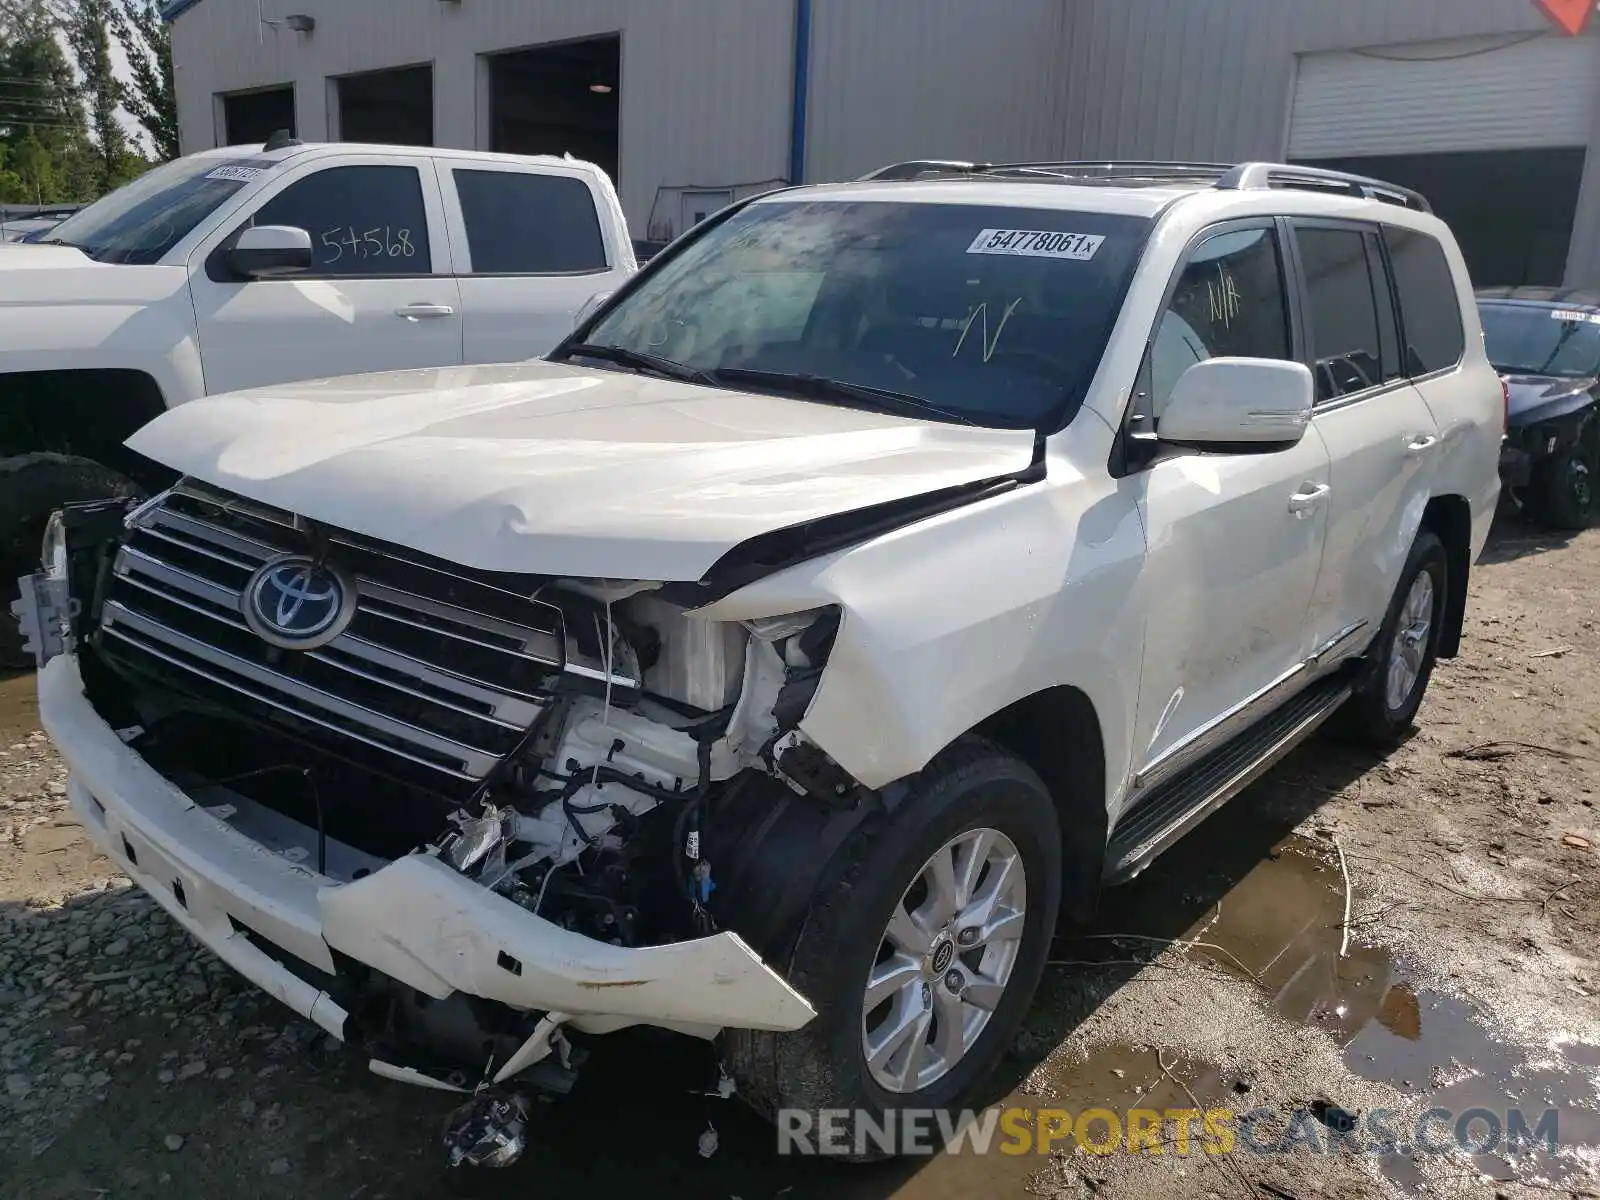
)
(1404, 652)
(32, 486)
(923, 954)
(1564, 488)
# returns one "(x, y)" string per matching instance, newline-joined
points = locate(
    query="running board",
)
(1173, 809)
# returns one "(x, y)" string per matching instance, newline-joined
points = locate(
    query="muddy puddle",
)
(1280, 926)
(1275, 924)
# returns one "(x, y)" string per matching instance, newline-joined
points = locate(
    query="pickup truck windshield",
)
(993, 316)
(1531, 339)
(141, 221)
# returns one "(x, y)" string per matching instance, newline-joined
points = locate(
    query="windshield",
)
(1530, 339)
(141, 221)
(995, 316)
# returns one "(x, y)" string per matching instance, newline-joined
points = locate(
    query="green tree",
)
(150, 97)
(42, 130)
(88, 29)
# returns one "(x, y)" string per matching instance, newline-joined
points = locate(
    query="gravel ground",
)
(134, 1064)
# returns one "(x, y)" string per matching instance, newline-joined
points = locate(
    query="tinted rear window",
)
(1430, 311)
(522, 224)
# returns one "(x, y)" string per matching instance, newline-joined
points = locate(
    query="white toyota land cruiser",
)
(879, 574)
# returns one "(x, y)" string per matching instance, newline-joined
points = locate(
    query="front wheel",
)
(1405, 650)
(923, 956)
(1564, 487)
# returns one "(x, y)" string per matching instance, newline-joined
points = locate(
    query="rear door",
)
(531, 244)
(1381, 437)
(380, 295)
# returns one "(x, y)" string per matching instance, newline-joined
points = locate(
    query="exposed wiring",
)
(539, 902)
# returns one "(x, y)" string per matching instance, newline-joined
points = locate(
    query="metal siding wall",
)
(705, 94)
(1514, 95)
(902, 79)
(1212, 79)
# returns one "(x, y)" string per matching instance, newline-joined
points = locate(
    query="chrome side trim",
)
(1337, 640)
(1218, 730)
(1206, 803)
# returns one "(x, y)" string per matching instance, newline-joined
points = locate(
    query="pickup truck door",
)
(380, 295)
(1234, 541)
(531, 244)
(1381, 436)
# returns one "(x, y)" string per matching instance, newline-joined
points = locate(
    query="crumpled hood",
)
(1541, 396)
(547, 468)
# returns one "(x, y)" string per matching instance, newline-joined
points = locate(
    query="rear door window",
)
(1342, 310)
(521, 223)
(1430, 311)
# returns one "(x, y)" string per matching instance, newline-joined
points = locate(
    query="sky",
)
(119, 63)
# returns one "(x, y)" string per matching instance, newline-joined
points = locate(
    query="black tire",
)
(1368, 715)
(32, 486)
(1564, 488)
(973, 785)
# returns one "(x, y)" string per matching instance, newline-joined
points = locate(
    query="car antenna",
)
(281, 139)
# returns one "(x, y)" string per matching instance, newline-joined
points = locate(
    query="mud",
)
(1215, 980)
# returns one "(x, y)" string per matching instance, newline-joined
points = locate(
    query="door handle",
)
(1303, 501)
(1421, 443)
(417, 312)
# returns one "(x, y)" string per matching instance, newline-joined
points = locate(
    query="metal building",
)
(1481, 104)
(688, 102)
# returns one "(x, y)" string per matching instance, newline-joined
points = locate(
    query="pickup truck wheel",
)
(1405, 649)
(923, 953)
(1564, 487)
(32, 486)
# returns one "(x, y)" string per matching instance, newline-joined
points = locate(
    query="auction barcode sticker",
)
(1037, 243)
(240, 174)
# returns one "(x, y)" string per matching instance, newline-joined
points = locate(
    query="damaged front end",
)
(449, 814)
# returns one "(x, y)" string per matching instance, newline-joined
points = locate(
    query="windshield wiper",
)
(640, 361)
(816, 387)
(59, 241)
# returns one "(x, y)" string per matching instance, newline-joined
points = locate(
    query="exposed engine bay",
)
(571, 745)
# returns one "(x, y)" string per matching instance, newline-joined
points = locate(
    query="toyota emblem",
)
(298, 603)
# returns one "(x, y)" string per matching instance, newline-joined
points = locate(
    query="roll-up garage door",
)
(1510, 92)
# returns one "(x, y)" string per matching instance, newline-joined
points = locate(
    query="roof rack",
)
(1249, 176)
(1253, 176)
(1104, 169)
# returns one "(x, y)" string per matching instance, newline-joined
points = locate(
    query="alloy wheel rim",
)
(1410, 645)
(944, 961)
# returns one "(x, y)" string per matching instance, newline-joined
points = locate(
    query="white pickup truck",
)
(255, 265)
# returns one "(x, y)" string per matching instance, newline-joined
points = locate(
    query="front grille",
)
(438, 676)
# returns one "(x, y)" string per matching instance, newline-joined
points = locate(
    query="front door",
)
(380, 296)
(1234, 540)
